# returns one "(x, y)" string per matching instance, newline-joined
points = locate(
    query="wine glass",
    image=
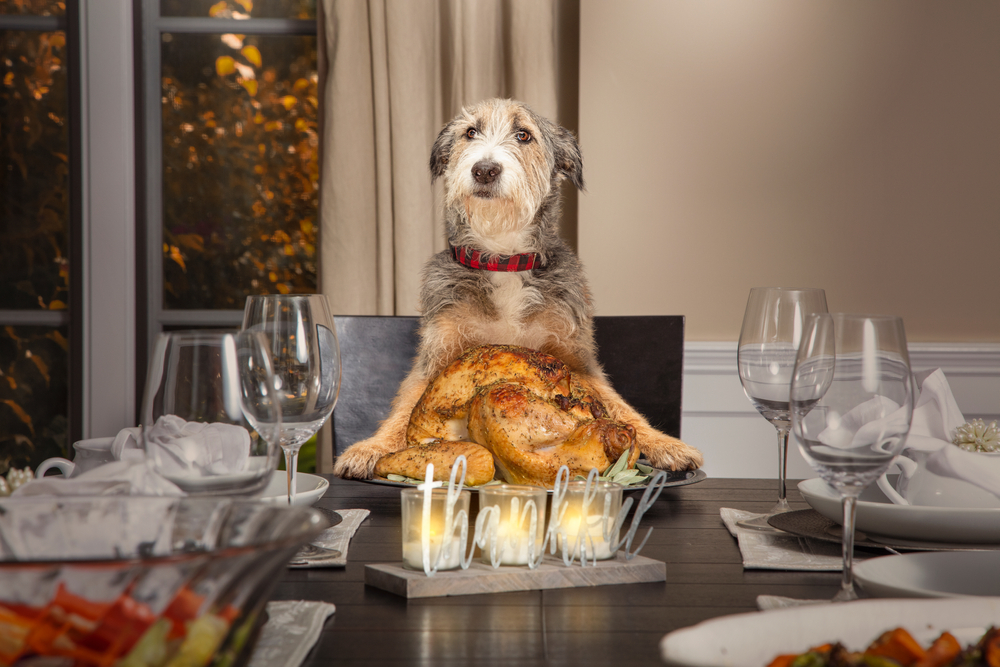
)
(772, 326)
(302, 340)
(852, 403)
(210, 416)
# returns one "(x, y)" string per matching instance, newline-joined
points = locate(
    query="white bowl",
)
(308, 489)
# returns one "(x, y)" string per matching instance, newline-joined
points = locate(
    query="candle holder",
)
(587, 524)
(434, 533)
(512, 524)
(585, 518)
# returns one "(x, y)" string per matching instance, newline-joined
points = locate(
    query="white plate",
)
(935, 574)
(308, 488)
(754, 639)
(878, 517)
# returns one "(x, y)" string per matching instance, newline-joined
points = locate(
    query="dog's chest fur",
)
(514, 303)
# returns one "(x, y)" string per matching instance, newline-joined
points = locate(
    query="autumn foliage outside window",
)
(241, 167)
(34, 214)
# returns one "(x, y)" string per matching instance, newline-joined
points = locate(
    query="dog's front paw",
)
(358, 461)
(669, 453)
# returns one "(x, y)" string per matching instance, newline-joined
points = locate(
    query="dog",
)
(507, 277)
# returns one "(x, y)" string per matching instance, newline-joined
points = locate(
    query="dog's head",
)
(502, 165)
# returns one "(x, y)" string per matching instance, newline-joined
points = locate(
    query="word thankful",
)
(583, 523)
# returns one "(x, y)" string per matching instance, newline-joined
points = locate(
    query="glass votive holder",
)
(513, 539)
(587, 530)
(448, 546)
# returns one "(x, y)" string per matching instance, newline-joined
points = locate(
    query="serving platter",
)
(931, 575)
(915, 525)
(674, 478)
(754, 639)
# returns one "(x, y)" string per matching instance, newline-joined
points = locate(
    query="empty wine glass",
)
(772, 327)
(852, 403)
(302, 341)
(210, 418)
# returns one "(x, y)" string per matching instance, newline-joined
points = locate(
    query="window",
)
(230, 138)
(37, 200)
(161, 175)
(230, 133)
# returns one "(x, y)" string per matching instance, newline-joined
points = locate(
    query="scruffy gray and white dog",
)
(502, 165)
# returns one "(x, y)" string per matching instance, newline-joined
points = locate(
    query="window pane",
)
(33, 395)
(240, 168)
(34, 171)
(33, 7)
(261, 9)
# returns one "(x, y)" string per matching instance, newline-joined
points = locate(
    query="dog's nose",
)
(486, 172)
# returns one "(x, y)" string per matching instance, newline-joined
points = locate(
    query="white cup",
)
(89, 455)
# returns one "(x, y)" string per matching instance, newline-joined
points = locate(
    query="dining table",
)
(619, 624)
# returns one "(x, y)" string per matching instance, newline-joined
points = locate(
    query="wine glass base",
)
(846, 595)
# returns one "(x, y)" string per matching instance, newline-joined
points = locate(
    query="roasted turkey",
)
(524, 407)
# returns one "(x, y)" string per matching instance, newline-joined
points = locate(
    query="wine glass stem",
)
(291, 466)
(782, 505)
(847, 591)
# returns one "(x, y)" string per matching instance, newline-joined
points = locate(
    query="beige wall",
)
(852, 145)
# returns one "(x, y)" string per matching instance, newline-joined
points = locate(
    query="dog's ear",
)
(441, 151)
(569, 160)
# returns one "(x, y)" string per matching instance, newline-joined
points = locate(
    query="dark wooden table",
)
(597, 625)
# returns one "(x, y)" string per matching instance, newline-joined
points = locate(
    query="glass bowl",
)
(126, 581)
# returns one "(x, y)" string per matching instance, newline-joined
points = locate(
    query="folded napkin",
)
(198, 449)
(128, 477)
(336, 538)
(781, 551)
(292, 628)
(936, 417)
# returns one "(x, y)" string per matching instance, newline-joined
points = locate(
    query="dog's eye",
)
(523, 136)
(471, 133)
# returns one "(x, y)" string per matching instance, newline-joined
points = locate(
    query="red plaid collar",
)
(475, 259)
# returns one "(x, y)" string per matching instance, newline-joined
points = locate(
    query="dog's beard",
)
(498, 224)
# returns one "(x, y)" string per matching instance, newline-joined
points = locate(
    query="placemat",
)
(777, 551)
(292, 628)
(337, 538)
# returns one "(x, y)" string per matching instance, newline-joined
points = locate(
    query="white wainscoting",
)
(719, 420)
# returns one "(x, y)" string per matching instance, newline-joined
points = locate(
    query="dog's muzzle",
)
(485, 172)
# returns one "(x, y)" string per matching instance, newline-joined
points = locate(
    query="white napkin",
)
(292, 628)
(864, 425)
(197, 449)
(781, 551)
(936, 415)
(130, 477)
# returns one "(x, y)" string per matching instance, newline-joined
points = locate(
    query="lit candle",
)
(516, 532)
(445, 537)
(586, 519)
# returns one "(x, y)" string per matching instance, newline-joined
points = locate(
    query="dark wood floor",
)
(599, 625)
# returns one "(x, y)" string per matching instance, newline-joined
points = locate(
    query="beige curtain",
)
(392, 73)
